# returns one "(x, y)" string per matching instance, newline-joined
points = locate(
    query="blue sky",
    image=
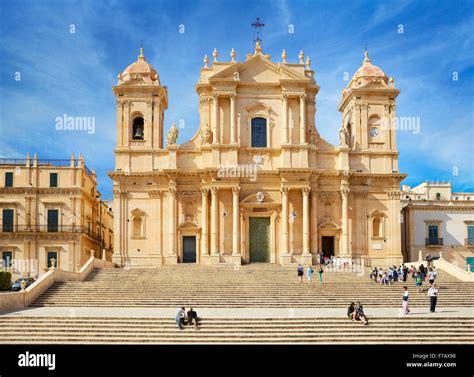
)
(73, 73)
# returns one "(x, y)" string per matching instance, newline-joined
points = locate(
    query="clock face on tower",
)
(374, 132)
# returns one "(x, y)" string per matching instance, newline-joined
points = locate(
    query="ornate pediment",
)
(328, 225)
(257, 69)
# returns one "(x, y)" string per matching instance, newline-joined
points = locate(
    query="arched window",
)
(438, 196)
(259, 132)
(376, 227)
(138, 129)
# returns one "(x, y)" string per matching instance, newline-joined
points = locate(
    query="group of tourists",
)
(419, 276)
(309, 273)
(390, 275)
(327, 260)
(400, 274)
(185, 319)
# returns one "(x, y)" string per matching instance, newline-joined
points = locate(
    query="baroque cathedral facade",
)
(197, 202)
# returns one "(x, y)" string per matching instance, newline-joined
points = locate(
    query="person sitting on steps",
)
(180, 317)
(360, 315)
(192, 318)
(351, 311)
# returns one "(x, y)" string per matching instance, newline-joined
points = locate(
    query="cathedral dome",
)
(140, 69)
(366, 73)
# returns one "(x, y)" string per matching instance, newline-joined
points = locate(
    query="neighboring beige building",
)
(51, 209)
(437, 220)
(256, 183)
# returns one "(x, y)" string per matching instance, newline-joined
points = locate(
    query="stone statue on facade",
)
(206, 135)
(172, 135)
(313, 136)
(343, 136)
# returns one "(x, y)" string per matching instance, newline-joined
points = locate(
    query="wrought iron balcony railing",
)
(469, 241)
(433, 241)
(6, 228)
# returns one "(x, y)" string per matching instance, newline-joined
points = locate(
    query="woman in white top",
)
(405, 301)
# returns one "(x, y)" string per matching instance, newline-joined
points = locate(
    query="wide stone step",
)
(256, 285)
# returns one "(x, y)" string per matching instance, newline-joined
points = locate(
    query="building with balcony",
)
(435, 219)
(51, 209)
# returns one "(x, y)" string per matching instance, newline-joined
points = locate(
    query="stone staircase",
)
(115, 330)
(250, 286)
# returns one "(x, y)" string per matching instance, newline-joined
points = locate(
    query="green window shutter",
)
(53, 179)
(8, 179)
(7, 225)
(433, 231)
(53, 220)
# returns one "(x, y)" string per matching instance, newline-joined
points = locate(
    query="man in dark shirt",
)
(192, 317)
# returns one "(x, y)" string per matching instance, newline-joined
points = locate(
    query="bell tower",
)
(368, 117)
(141, 103)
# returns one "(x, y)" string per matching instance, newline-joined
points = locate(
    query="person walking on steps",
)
(419, 282)
(320, 272)
(300, 272)
(309, 274)
(433, 295)
(406, 297)
(432, 275)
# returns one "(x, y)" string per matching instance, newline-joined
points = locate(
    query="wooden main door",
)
(259, 239)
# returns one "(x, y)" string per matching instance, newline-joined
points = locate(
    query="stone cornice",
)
(41, 191)
(29, 236)
(437, 207)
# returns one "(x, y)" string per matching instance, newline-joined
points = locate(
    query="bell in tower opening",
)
(138, 129)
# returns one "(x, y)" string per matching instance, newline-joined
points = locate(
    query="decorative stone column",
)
(236, 257)
(172, 224)
(314, 221)
(233, 133)
(303, 119)
(204, 218)
(345, 219)
(306, 235)
(284, 251)
(215, 119)
(285, 118)
(214, 220)
(235, 220)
